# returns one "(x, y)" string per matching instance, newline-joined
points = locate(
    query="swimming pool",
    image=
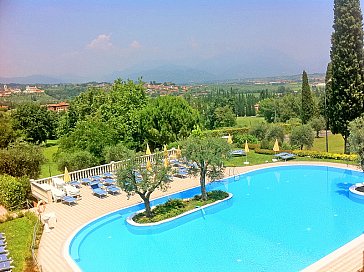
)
(279, 219)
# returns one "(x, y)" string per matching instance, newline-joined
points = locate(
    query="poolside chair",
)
(109, 181)
(3, 243)
(56, 193)
(112, 189)
(75, 183)
(182, 172)
(98, 191)
(72, 191)
(285, 156)
(69, 200)
(238, 152)
(6, 266)
(107, 175)
(3, 250)
(2, 236)
(4, 257)
(86, 181)
(58, 183)
(96, 177)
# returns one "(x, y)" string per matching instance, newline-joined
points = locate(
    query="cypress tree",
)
(346, 94)
(307, 100)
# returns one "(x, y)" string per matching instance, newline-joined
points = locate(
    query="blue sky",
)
(224, 37)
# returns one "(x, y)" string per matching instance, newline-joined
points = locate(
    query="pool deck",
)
(70, 219)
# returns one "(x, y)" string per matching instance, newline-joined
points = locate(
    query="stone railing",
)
(45, 194)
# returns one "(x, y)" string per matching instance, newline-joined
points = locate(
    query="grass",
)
(19, 234)
(248, 121)
(49, 168)
(336, 144)
(254, 159)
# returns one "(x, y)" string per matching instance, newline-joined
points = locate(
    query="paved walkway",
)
(70, 219)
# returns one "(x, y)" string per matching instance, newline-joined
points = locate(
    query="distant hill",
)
(34, 79)
(167, 73)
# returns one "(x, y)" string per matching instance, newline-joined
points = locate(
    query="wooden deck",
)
(70, 219)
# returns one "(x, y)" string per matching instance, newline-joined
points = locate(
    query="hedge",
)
(225, 131)
(326, 155)
(312, 154)
(13, 191)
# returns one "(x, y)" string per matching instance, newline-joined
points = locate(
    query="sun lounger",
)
(58, 183)
(285, 156)
(109, 181)
(2, 236)
(182, 172)
(72, 191)
(238, 152)
(86, 181)
(69, 200)
(75, 183)
(107, 175)
(3, 250)
(4, 257)
(6, 266)
(98, 191)
(2, 243)
(56, 193)
(96, 177)
(113, 189)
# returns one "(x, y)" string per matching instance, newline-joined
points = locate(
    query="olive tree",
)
(302, 136)
(208, 153)
(133, 178)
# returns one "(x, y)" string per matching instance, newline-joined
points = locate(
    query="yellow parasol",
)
(276, 146)
(149, 165)
(148, 150)
(66, 177)
(246, 149)
(165, 151)
(230, 139)
(178, 153)
(166, 162)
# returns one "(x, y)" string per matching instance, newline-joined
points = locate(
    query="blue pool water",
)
(279, 219)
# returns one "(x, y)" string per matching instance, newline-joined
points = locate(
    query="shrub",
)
(117, 152)
(13, 191)
(325, 155)
(217, 195)
(225, 131)
(76, 160)
(241, 138)
(21, 160)
(259, 130)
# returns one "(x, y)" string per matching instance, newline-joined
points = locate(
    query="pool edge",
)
(325, 261)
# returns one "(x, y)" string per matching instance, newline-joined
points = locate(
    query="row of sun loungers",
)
(5, 260)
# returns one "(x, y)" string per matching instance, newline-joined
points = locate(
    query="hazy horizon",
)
(226, 39)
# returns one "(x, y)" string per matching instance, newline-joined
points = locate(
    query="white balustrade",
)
(93, 171)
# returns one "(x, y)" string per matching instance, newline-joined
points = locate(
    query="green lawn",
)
(248, 121)
(254, 159)
(336, 144)
(19, 234)
(49, 168)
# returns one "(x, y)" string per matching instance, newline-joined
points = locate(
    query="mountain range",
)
(165, 73)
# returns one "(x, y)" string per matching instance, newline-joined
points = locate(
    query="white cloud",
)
(135, 45)
(102, 42)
